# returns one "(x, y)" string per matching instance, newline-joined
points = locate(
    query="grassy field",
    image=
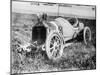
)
(75, 57)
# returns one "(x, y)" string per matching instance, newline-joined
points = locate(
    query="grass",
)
(75, 57)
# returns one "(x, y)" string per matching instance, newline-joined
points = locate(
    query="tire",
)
(54, 46)
(87, 35)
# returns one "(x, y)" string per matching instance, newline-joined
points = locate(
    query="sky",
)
(67, 10)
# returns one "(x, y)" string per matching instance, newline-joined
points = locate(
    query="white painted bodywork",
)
(67, 29)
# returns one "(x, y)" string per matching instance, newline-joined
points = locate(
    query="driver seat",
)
(74, 22)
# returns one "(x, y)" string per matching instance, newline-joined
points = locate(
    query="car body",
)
(53, 35)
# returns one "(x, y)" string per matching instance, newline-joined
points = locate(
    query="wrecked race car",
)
(54, 35)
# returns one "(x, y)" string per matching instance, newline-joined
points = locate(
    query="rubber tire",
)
(52, 33)
(84, 35)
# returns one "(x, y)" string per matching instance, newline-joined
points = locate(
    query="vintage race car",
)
(54, 35)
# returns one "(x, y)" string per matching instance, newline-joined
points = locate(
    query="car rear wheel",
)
(87, 35)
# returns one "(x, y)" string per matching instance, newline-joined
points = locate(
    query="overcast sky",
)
(52, 9)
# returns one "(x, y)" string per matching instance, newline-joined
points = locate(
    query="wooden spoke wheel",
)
(54, 45)
(87, 35)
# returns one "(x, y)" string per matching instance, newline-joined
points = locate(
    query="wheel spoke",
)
(52, 41)
(51, 45)
(58, 46)
(53, 38)
(55, 49)
(56, 39)
(57, 52)
(51, 49)
(54, 53)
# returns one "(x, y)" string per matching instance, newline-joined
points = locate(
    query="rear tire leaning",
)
(87, 35)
